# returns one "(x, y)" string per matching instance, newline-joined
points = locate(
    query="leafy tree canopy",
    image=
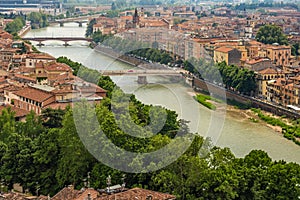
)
(269, 34)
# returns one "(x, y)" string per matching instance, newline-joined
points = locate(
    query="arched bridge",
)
(64, 39)
(142, 74)
(79, 20)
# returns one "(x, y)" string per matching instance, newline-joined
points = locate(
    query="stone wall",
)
(221, 92)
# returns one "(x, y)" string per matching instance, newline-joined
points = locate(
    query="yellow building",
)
(264, 76)
(230, 55)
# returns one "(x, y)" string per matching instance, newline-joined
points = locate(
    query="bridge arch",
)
(63, 39)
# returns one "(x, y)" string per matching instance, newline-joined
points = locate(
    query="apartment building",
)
(264, 76)
(279, 54)
(284, 92)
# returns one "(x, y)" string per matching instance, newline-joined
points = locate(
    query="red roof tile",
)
(34, 94)
(224, 49)
(268, 71)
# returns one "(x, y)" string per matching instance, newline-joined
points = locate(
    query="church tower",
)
(136, 19)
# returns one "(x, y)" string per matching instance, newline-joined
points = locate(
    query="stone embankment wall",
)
(118, 56)
(24, 30)
(221, 92)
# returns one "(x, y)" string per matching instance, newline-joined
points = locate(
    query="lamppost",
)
(88, 180)
(37, 188)
(108, 182)
(123, 180)
(2, 186)
(297, 189)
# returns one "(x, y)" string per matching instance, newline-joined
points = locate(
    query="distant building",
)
(29, 3)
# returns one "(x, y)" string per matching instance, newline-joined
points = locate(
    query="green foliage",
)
(38, 20)
(234, 78)
(201, 98)
(74, 65)
(296, 49)
(112, 13)
(7, 124)
(52, 118)
(118, 4)
(48, 152)
(75, 161)
(89, 29)
(124, 46)
(269, 34)
(291, 132)
(153, 54)
(15, 26)
(98, 37)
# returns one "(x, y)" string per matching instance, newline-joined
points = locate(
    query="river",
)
(237, 132)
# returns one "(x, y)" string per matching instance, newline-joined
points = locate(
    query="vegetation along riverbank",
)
(214, 173)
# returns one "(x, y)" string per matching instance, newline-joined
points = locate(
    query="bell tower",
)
(136, 18)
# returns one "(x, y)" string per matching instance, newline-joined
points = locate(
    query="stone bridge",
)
(64, 39)
(143, 73)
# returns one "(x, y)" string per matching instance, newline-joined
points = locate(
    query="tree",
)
(89, 29)
(269, 34)
(75, 161)
(15, 26)
(38, 20)
(32, 127)
(45, 158)
(7, 124)
(52, 118)
(296, 49)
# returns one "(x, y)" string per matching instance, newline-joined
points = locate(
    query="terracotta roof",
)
(138, 193)
(13, 88)
(126, 17)
(54, 66)
(43, 56)
(34, 94)
(224, 49)
(61, 106)
(20, 76)
(255, 61)
(67, 193)
(268, 71)
(277, 47)
(3, 73)
(83, 195)
(18, 111)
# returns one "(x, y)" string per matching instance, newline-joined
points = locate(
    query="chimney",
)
(89, 196)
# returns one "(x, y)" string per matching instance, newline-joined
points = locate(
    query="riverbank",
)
(237, 111)
(24, 30)
(118, 56)
(281, 125)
